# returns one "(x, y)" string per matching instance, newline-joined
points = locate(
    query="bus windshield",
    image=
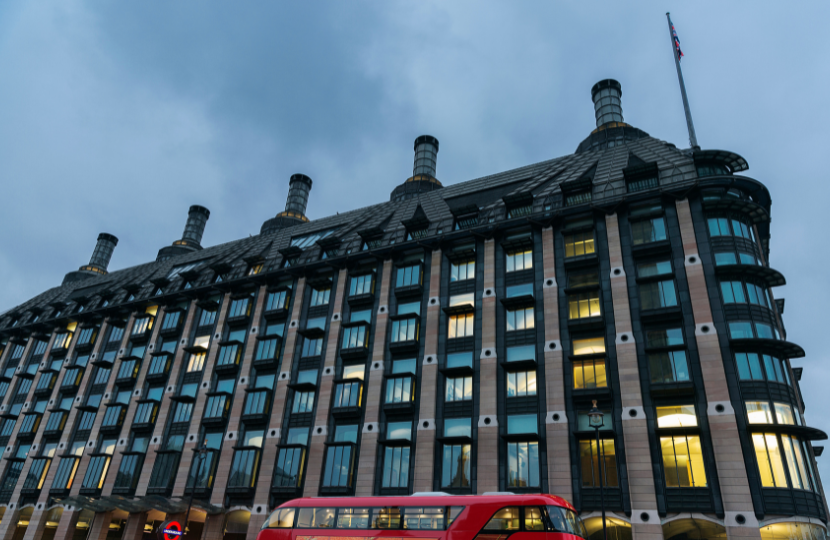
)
(564, 520)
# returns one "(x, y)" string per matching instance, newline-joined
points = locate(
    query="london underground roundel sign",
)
(171, 530)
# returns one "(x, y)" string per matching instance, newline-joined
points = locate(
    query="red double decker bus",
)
(427, 516)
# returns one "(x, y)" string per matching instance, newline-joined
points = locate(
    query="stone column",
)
(556, 419)
(26, 350)
(319, 433)
(272, 436)
(635, 426)
(100, 526)
(66, 527)
(36, 523)
(367, 462)
(425, 449)
(134, 529)
(9, 524)
(488, 424)
(726, 442)
(214, 528)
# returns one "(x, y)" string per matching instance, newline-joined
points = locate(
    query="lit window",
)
(774, 455)
(589, 374)
(583, 305)
(589, 460)
(676, 416)
(256, 269)
(461, 325)
(588, 346)
(758, 412)
(579, 244)
(683, 461)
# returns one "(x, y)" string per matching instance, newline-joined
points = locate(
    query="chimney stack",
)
(197, 217)
(295, 205)
(191, 240)
(298, 188)
(607, 103)
(426, 156)
(99, 261)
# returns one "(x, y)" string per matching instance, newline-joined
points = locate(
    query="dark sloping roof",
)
(543, 180)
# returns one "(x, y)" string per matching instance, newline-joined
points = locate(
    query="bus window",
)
(281, 518)
(315, 518)
(454, 512)
(386, 518)
(353, 518)
(506, 519)
(428, 518)
(533, 519)
(564, 520)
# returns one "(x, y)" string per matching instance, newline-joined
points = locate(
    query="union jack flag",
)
(676, 43)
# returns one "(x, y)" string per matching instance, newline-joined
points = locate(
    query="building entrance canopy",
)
(142, 504)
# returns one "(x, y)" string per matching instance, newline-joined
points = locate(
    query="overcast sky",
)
(116, 117)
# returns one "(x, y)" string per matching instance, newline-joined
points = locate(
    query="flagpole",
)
(689, 123)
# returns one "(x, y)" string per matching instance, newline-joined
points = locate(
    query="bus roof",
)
(519, 499)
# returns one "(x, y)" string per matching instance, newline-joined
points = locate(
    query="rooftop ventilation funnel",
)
(607, 103)
(295, 205)
(99, 261)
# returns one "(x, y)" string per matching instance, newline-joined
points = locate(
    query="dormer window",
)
(158, 292)
(712, 169)
(105, 302)
(218, 278)
(417, 234)
(80, 308)
(518, 205)
(255, 269)
(187, 285)
(574, 199)
(372, 238)
(466, 217)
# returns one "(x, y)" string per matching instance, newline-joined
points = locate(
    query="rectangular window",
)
(361, 285)
(757, 295)
(338, 470)
(669, 366)
(244, 468)
(590, 457)
(96, 472)
(312, 347)
(462, 271)
(583, 279)
(665, 337)
(523, 464)
(459, 389)
(725, 258)
(461, 325)
(784, 414)
(579, 244)
(589, 374)
(87, 420)
(740, 330)
(462, 359)
(583, 305)
(520, 319)
(521, 384)
(749, 366)
(256, 403)
(683, 461)
(355, 336)
(770, 460)
(267, 349)
(404, 330)
(455, 466)
(399, 390)
(116, 333)
(650, 230)
(764, 331)
(408, 276)
(303, 402)
(320, 297)
(657, 268)
(588, 346)
(742, 229)
(37, 474)
(396, 467)
(408, 365)
(364, 315)
(522, 423)
(240, 307)
(289, 470)
(183, 412)
(656, 295)
(718, 227)
(347, 395)
(399, 430)
(519, 260)
(277, 300)
(65, 473)
(409, 307)
(758, 412)
(733, 292)
(207, 317)
(354, 372)
(747, 258)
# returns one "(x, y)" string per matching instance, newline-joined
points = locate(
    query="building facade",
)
(452, 339)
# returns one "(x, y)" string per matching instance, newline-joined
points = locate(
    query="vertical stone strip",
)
(425, 451)
(124, 436)
(66, 526)
(134, 529)
(317, 447)
(367, 464)
(193, 441)
(488, 424)
(556, 419)
(726, 442)
(272, 436)
(29, 344)
(635, 426)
